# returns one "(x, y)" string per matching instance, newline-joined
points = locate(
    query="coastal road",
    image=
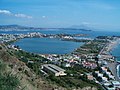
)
(113, 68)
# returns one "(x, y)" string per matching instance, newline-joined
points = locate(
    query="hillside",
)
(26, 78)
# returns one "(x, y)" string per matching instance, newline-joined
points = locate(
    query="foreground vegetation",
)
(71, 81)
(7, 80)
(92, 47)
(74, 79)
(15, 75)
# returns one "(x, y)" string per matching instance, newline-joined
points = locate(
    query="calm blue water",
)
(91, 34)
(47, 45)
(116, 51)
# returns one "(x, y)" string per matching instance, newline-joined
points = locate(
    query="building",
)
(53, 69)
(112, 85)
(108, 86)
(89, 65)
(66, 65)
(116, 84)
(104, 69)
(89, 76)
(104, 79)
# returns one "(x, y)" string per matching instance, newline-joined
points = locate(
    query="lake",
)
(57, 46)
(47, 45)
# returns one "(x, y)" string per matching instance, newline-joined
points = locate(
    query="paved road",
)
(113, 68)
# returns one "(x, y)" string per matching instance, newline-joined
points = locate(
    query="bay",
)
(47, 45)
(91, 34)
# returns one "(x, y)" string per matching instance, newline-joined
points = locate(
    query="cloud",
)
(7, 12)
(22, 16)
(43, 16)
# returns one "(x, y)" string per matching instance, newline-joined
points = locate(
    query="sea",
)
(116, 51)
(56, 46)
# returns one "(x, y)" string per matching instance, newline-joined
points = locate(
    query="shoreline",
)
(118, 70)
(113, 64)
(115, 43)
(117, 65)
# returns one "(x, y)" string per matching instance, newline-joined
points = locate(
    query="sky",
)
(97, 14)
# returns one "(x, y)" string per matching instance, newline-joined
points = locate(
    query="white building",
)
(107, 86)
(53, 69)
(116, 84)
(105, 79)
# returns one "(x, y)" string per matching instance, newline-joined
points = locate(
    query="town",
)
(13, 37)
(89, 62)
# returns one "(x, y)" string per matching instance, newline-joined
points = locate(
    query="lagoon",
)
(47, 45)
(91, 34)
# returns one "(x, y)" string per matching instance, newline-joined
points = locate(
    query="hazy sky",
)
(100, 14)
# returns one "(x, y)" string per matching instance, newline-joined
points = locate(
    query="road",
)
(113, 68)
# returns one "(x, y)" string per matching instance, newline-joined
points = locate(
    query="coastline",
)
(113, 64)
(117, 65)
(118, 70)
(114, 44)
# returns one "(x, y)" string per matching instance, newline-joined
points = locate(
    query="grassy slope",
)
(17, 68)
(29, 80)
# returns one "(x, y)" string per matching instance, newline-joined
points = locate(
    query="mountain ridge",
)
(15, 27)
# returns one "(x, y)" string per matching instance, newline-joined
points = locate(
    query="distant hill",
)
(14, 27)
(18, 27)
(82, 26)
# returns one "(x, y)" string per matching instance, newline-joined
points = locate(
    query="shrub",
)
(7, 80)
(0, 48)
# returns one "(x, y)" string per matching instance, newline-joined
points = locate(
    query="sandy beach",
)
(111, 61)
(113, 67)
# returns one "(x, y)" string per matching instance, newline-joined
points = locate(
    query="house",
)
(108, 86)
(89, 65)
(53, 69)
(112, 77)
(116, 84)
(104, 79)
(99, 74)
(66, 65)
(104, 69)
(90, 76)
